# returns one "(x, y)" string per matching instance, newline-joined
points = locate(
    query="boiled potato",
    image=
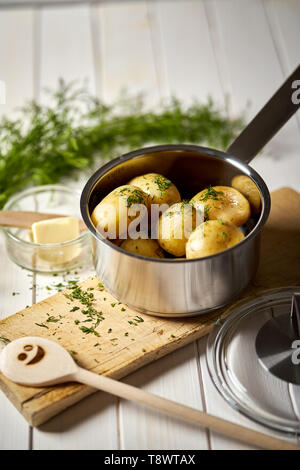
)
(175, 226)
(144, 247)
(112, 215)
(248, 188)
(160, 189)
(223, 202)
(211, 237)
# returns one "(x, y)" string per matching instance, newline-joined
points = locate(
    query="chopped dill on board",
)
(41, 325)
(4, 340)
(52, 319)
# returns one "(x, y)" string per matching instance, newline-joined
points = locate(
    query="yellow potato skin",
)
(115, 206)
(211, 237)
(143, 247)
(171, 228)
(160, 189)
(223, 202)
(248, 188)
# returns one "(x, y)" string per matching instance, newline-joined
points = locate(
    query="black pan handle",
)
(278, 110)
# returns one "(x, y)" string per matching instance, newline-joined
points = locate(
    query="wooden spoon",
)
(38, 362)
(25, 219)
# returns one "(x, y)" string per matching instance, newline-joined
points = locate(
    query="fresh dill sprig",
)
(50, 141)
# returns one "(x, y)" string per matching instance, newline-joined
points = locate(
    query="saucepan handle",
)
(278, 110)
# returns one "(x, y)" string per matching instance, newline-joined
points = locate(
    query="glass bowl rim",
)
(46, 187)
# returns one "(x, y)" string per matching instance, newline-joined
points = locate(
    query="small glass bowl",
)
(47, 258)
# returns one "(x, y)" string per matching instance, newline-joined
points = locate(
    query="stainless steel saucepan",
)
(181, 287)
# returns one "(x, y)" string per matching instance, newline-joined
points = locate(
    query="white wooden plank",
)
(16, 57)
(125, 42)
(284, 18)
(174, 377)
(15, 285)
(14, 431)
(16, 293)
(17, 71)
(65, 46)
(246, 54)
(186, 46)
(252, 71)
(88, 425)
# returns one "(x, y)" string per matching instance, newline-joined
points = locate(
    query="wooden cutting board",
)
(123, 347)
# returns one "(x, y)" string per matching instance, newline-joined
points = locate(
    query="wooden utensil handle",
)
(129, 392)
(25, 219)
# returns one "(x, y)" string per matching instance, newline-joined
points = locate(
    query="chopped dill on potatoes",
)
(210, 193)
(206, 211)
(162, 183)
(135, 198)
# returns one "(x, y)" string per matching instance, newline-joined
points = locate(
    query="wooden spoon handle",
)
(129, 392)
(25, 219)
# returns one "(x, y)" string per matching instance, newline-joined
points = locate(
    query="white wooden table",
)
(190, 48)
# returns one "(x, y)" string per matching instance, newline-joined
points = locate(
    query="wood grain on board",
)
(124, 347)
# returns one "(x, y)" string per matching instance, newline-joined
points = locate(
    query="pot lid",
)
(253, 358)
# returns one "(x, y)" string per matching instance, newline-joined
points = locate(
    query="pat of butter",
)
(53, 231)
(61, 229)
